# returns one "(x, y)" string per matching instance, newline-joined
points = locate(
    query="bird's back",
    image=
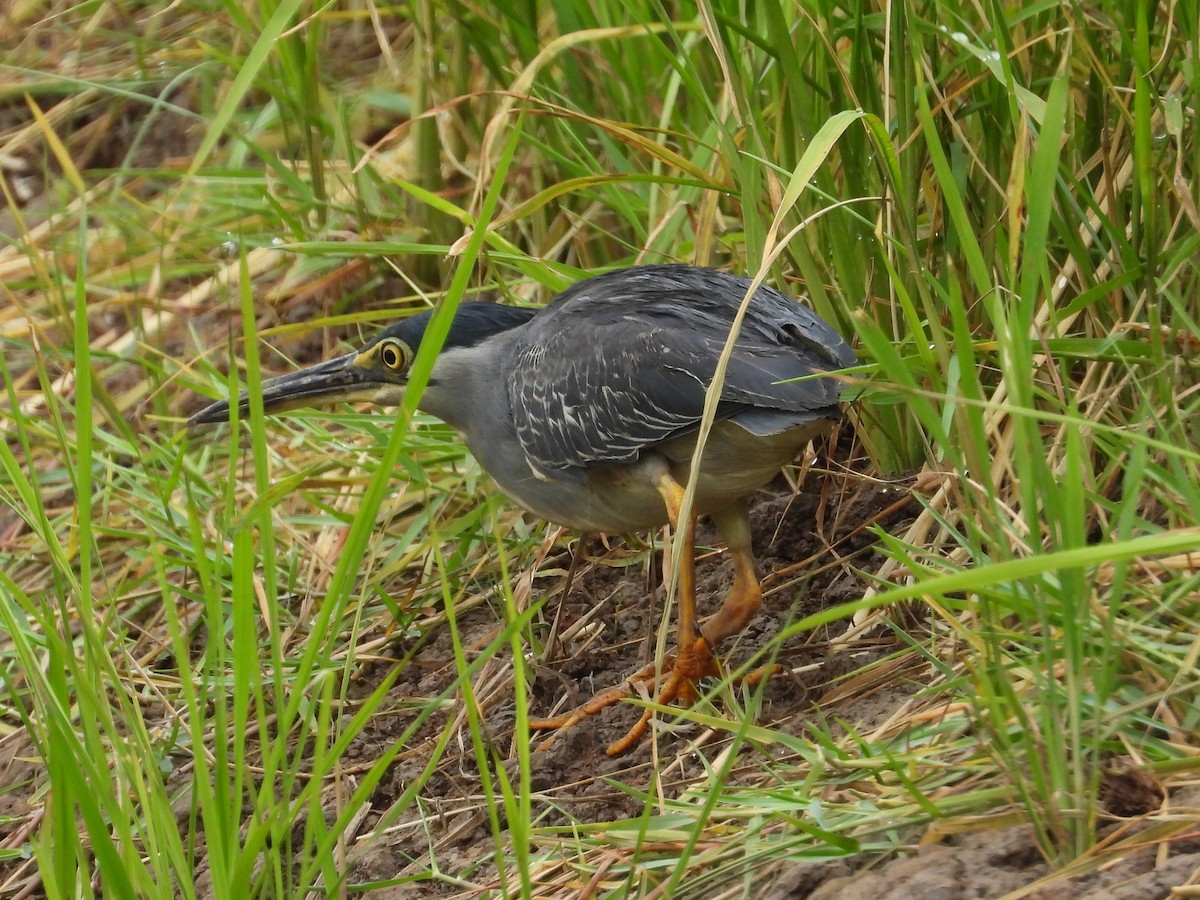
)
(621, 362)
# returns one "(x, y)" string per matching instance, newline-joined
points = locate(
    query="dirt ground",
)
(1005, 863)
(569, 776)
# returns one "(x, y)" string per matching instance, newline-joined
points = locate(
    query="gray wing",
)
(621, 362)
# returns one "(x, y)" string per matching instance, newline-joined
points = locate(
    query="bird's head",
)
(378, 371)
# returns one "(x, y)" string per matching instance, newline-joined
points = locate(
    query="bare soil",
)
(569, 776)
(1002, 863)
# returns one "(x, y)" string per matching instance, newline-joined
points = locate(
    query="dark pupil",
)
(389, 357)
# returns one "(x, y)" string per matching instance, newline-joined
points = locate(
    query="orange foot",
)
(687, 669)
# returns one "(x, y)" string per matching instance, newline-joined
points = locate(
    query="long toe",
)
(601, 701)
(691, 664)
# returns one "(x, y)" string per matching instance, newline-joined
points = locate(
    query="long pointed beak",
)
(334, 381)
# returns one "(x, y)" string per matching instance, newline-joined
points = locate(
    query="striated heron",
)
(586, 413)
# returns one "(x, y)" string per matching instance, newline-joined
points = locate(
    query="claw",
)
(679, 685)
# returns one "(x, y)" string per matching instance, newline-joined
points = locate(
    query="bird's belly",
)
(623, 498)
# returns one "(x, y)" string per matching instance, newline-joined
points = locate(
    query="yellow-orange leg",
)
(745, 597)
(694, 658)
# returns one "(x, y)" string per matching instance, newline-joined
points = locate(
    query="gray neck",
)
(467, 388)
(469, 391)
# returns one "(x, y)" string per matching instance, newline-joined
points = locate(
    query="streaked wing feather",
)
(621, 362)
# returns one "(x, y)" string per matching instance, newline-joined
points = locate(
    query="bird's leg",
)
(695, 657)
(745, 597)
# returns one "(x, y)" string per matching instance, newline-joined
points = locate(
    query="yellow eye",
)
(394, 355)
